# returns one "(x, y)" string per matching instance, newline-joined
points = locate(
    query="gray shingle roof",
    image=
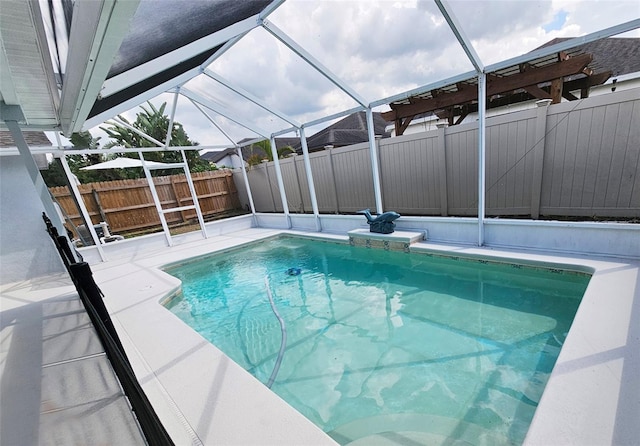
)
(247, 151)
(616, 54)
(33, 139)
(214, 157)
(349, 130)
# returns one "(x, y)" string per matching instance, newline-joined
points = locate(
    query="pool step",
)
(397, 241)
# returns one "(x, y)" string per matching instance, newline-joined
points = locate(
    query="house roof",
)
(616, 54)
(214, 157)
(33, 138)
(247, 150)
(349, 130)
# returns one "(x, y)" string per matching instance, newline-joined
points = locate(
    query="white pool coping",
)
(592, 397)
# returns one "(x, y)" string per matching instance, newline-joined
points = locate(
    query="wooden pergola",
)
(552, 77)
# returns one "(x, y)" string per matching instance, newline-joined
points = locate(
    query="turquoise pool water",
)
(384, 345)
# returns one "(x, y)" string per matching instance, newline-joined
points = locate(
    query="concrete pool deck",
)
(202, 397)
(57, 385)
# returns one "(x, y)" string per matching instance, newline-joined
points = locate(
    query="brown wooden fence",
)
(127, 205)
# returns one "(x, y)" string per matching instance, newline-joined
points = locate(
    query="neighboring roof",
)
(32, 138)
(616, 54)
(247, 150)
(347, 131)
(287, 141)
(214, 157)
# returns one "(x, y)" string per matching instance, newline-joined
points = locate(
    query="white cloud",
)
(379, 48)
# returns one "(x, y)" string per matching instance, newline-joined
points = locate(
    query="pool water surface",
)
(385, 345)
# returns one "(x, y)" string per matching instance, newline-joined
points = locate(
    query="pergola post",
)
(373, 151)
(312, 188)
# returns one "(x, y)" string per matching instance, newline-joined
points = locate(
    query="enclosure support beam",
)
(250, 97)
(139, 132)
(222, 111)
(238, 150)
(283, 195)
(245, 177)
(375, 170)
(442, 169)
(310, 183)
(482, 111)
(308, 58)
(156, 200)
(34, 174)
(167, 139)
(80, 201)
(538, 156)
(194, 195)
(458, 31)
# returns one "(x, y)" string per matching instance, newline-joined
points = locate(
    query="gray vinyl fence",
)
(577, 158)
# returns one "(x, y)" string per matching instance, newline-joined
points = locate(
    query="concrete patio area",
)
(57, 385)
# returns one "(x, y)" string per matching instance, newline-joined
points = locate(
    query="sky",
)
(378, 48)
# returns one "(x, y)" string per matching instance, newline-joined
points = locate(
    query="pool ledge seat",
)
(396, 241)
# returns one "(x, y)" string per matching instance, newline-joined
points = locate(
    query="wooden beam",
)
(587, 82)
(556, 90)
(463, 115)
(402, 124)
(569, 96)
(398, 126)
(537, 92)
(495, 85)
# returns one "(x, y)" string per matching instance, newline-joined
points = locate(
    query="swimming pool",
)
(385, 343)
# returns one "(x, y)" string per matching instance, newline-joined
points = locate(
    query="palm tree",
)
(265, 146)
(154, 122)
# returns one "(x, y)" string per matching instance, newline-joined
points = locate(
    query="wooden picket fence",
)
(127, 205)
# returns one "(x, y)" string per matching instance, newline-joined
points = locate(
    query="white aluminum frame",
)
(238, 151)
(106, 23)
(231, 35)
